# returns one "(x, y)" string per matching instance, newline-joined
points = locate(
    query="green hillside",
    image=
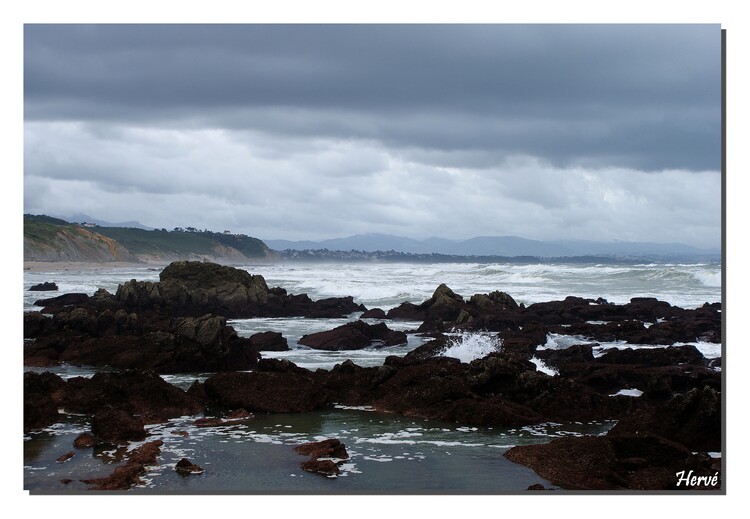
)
(52, 239)
(140, 241)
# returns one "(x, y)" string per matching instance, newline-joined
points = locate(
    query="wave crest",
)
(470, 346)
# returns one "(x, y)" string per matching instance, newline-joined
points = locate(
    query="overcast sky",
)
(309, 132)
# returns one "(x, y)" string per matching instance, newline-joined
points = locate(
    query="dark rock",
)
(424, 389)
(122, 478)
(279, 365)
(41, 393)
(205, 275)
(407, 312)
(536, 486)
(496, 372)
(185, 467)
(85, 440)
(444, 305)
(268, 341)
(324, 467)
(147, 453)
(65, 457)
(503, 299)
(42, 287)
(429, 349)
(491, 410)
(234, 416)
(115, 425)
(577, 353)
(129, 474)
(374, 313)
(147, 341)
(35, 324)
(652, 357)
(604, 463)
(692, 419)
(189, 288)
(239, 414)
(137, 392)
(63, 300)
(333, 307)
(353, 336)
(266, 392)
(562, 399)
(330, 448)
(209, 422)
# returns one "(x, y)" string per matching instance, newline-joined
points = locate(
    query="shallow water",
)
(388, 453)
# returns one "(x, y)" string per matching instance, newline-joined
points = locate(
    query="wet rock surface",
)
(185, 467)
(179, 325)
(614, 463)
(353, 336)
(129, 474)
(136, 341)
(330, 448)
(44, 287)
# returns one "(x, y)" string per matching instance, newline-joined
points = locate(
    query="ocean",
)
(388, 453)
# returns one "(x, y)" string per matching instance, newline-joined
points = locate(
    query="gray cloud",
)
(319, 131)
(637, 96)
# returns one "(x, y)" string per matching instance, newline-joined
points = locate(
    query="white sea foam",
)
(708, 278)
(628, 392)
(544, 368)
(471, 346)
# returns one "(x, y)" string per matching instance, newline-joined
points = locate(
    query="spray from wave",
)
(470, 346)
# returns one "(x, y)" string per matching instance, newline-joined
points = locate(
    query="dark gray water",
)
(388, 453)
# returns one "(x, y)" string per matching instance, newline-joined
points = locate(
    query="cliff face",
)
(52, 239)
(71, 243)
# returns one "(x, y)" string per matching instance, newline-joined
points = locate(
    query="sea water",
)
(389, 453)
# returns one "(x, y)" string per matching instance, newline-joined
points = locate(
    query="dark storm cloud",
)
(644, 97)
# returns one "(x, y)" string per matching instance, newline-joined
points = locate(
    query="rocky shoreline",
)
(179, 324)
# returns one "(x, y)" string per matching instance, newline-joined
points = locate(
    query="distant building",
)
(227, 232)
(87, 224)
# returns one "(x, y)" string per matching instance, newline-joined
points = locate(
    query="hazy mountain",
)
(81, 218)
(492, 246)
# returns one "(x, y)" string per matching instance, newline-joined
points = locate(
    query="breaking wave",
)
(469, 346)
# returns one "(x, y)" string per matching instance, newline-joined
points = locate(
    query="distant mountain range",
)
(495, 246)
(84, 218)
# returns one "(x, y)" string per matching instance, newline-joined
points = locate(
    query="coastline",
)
(51, 266)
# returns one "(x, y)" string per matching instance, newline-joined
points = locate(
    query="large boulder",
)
(137, 392)
(41, 395)
(192, 288)
(605, 463)
(129, 474)
(44, 287)
(63, 300)
(146, 340)
(268, 341)
(353, 336)
(114, 425)
(329, 448)
(266, 392)
(692, 419)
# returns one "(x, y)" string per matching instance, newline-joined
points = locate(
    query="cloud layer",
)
(596, 132)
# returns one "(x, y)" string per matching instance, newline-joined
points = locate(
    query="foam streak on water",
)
(470, 346)
(386, 285)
